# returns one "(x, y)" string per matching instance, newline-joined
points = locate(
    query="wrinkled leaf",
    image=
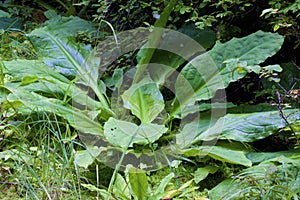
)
(11, 23)
(230, 156)
(70, 59)
(32, 68)
(190, 131)
(248, 127)
(65, 27)
(208, 72)
(176, 47)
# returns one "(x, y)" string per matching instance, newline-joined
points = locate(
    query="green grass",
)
(41, 158)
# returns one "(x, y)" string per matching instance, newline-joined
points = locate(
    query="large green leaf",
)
(47, 81)
(84, 158)
(75, 117)
(11, 23)
(124, 134)
(248, 127)
(20, 69)
(144, 100)
(225, 188)
(258, 157)
(220, 153)
(56, 46)
(64, 28)
(190, 131)
(225, 63)
(69, 59)
(175, 48)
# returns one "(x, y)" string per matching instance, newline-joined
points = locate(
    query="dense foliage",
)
(149, 100)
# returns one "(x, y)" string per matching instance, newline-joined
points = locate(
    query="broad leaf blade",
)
(144, 100)
(124, 134)
(50, 83)
(74, 116)
(230, 156)
(66, 26)
(225, 63)
(258, 157)
(177, 47)
(248, 127)
(84, 158)
(220, 153)
(190, 131)
(69, 59)
(21, 68)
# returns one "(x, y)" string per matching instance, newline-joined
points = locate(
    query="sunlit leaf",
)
(144, 100)
(202, 172)
(75, 117)
(124, 134)
(220, 153)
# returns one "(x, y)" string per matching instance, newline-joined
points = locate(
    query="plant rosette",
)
(139, 120)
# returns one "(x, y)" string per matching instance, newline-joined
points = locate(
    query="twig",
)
(278, 104)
